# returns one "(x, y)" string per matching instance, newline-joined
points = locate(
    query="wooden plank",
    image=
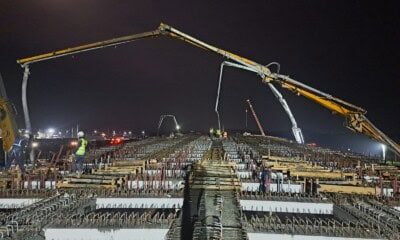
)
(349, 189)
(78, 185)
(214, 187)
(90, 180)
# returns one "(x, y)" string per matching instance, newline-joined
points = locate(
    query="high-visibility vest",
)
(19, 142)
(82, 148)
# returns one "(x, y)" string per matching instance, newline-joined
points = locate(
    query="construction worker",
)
(219, 133)
(225, 135)
(17, 152)
(80, 153)
(264, 178)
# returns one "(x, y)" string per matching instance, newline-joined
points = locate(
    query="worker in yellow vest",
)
(219, 133)
(80, 153)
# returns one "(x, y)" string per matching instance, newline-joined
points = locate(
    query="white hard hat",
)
(81, 134)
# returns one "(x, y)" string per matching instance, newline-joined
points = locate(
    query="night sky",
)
(349, 49)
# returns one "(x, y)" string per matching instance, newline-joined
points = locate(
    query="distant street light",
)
(51, 130)
(178, 127)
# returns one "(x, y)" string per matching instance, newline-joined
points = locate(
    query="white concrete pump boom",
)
(296, 131)
(298, 135)
(162, 117)
(355, 116)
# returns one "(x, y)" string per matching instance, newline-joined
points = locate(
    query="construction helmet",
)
(81, 134)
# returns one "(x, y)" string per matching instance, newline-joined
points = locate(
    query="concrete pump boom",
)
(354, 115)
(162, 117)
(8, 124)
(298, 135)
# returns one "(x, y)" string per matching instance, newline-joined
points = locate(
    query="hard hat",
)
(81, 134)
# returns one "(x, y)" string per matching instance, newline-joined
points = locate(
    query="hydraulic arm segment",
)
(355, 116)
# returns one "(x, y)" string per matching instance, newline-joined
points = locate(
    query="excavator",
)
(355, 116)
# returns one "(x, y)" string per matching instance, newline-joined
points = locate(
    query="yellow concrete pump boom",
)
(354, 115)
(8, 124)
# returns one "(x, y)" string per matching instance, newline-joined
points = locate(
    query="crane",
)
(256, 118)
(162, 117)
(354, 115)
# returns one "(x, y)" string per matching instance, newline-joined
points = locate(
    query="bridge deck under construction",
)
(211, 205)
(197, 187)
